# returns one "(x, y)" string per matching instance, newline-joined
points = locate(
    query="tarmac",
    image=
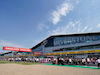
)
(47, 69)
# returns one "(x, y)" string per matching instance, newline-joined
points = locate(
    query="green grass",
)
(3, 62)
(22, 63)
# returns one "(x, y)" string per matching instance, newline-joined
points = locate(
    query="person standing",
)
(70, 61)
(26, 59)
(98, 61)
(58, 60)
(88, 61)
(19, 59)
(83, 61)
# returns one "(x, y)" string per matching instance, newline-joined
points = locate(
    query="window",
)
(78, 48)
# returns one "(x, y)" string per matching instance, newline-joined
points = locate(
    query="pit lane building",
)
(85, 44)
(80, 44)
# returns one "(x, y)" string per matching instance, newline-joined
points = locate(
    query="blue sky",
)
(24, 23)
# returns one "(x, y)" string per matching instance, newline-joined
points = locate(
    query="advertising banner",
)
(37, 53)
(17, 49)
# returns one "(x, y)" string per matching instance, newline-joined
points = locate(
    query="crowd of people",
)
(26, 59)
(78, 61)
(58, 60)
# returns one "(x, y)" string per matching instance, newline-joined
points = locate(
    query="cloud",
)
(71, 27)
(62, 10)
(77, 1)
(98, 25)
(41, 26)
(84, 28)
(90, 29)
(6, 43)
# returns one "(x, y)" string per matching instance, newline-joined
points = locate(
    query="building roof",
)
(5, 53)
(63, 35)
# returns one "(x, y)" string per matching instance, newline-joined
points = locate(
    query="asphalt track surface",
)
(40, 69)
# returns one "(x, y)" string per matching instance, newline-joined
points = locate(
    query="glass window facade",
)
(38, 49)
(23, 53)
(49, 42)
(78, 48)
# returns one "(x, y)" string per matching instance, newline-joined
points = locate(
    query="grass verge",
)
(22, 63)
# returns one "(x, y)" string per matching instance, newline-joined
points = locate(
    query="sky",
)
(25, 23)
